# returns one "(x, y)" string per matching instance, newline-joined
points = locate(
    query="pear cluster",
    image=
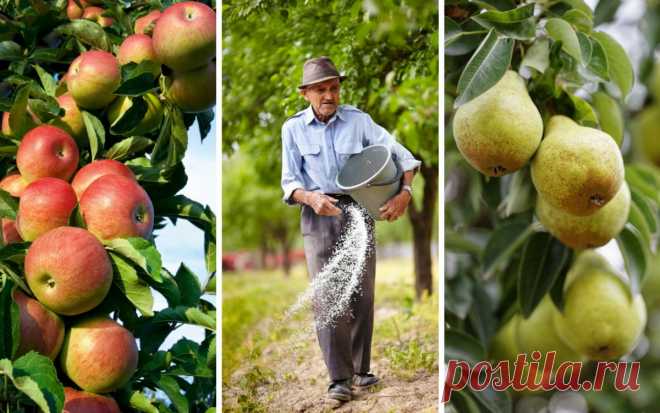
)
(577, 171)
(601, 320)
(67, 269)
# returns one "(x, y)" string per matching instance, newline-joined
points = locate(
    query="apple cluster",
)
(182, 38)
(67, 268)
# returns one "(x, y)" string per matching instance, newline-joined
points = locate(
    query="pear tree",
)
(551, 217)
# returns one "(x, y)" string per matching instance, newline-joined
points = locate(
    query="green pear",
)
(646, 130)
(592, 231)
(504, 345)
(577, 169)
(655, 81)
(601, 319)
(537, 333)
(651, 284)
(499, 131)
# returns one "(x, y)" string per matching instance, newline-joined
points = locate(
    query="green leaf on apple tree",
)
(171, 388)
(35, 376)
(47, 80)
(19, 121)
(136, 290)
(180, 206)
(131, 118)
(87, 32)
(10, 319)
(126, 147)
(172, 141)
(141, 252)
(189, 285)
(140, 402)
(187, 315)
(137, 78)
(168, 288)
(189, 359)
(10, 51)
(95, 132)
(204, 121)
(8, 205)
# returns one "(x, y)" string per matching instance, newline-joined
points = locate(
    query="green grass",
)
(254, 303)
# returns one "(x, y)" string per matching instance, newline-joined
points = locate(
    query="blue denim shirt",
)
(314, 152)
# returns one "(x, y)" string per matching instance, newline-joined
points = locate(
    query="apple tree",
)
(520, 241)
(98, 99)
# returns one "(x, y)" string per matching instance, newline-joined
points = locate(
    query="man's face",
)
(324, 98)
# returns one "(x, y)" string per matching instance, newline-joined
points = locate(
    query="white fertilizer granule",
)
(330, 292)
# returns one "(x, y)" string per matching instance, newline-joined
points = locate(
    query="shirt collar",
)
(309, 114)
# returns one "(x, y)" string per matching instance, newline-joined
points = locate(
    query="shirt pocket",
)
(311, 154)
(346, 149)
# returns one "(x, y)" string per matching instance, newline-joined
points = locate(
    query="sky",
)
(184, 242)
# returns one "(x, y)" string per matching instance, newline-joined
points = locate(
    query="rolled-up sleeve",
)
(291, 166)
(376, 134)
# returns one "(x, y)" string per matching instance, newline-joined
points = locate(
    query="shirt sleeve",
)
(291, 166)
(376, 134)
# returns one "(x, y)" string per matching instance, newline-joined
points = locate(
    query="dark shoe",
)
(340, 390)
(365, 380)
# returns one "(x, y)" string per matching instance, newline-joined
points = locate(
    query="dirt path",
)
(296, 380)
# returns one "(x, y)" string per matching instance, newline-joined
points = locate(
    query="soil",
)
(299, 381)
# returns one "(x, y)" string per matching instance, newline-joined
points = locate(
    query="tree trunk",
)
(286, 252)
(422, 224)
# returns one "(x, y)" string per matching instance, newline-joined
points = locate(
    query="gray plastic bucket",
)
(371, 177)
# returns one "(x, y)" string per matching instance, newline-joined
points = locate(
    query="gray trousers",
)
(346, 344)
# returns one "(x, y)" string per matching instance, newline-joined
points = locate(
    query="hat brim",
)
(321, 80)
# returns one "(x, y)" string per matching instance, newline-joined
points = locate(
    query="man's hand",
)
(323, 204)
(396, 206)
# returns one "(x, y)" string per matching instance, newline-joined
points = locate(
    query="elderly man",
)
(316, 144)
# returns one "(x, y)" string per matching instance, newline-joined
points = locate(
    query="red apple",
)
(99, 355)
(137, 48)
(10, 233)
(115, 206)
(83, 402)
(143, 25)
(47, 151)
(151, 120)
(68, 270)
(91, 172)
(92, 78)
(72, 121)
(41, 329)
(46, 203)
(193, 91)
(95, 14)
(184, 36)
(14, 184)
(75, 11)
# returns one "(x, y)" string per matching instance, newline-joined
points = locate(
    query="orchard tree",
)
(97, 102)
(389, 53)
(534, 106)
